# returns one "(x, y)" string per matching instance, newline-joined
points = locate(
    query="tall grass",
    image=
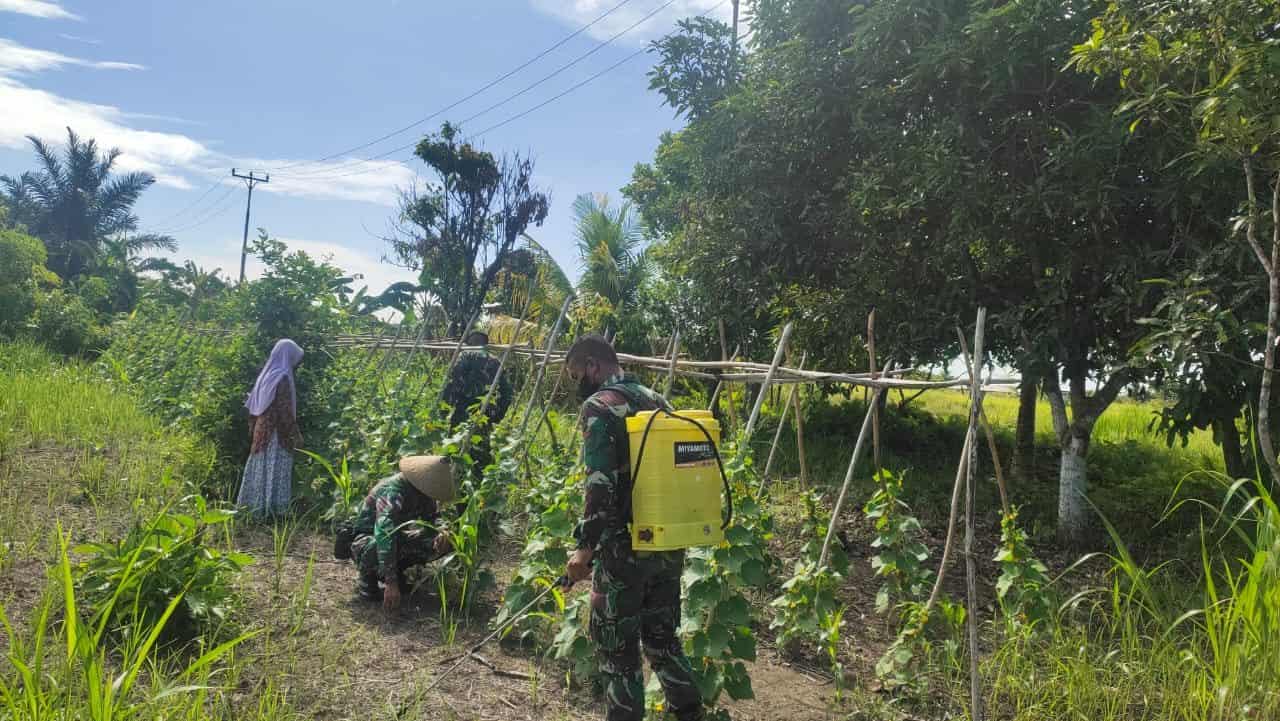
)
(1152, 644)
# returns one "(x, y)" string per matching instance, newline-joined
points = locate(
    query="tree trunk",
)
(1265, 445)
(1024, 444)
(1232, 458)
(1073, 485)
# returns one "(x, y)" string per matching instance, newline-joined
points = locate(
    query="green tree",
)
(75, 203)
(120, 265)
(611, 251)
(698, 65)
(1208, 75)
(22, 268)
(457, 232)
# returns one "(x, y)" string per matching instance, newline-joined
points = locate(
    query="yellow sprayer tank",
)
(676, 487)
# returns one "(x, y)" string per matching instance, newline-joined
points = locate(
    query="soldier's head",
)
(591, 361)
(477, 337)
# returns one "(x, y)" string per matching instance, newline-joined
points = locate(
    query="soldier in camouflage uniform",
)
(395, 529)
(468, 383)
(635, 595)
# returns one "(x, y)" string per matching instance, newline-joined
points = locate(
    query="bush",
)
(22, 260)
(133, 581)
(64, 323)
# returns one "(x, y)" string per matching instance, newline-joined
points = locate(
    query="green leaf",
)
(734, 612)
(738, 683)
(743, 643)
(753, 573)
(717, 641)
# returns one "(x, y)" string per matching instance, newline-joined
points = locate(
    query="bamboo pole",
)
(502, 364)
(725, 357)
(715, 395)
(986, 427)
(875, 409)
(768, 380)
(848, 479)
(542, 369)
(962, 474)
(671, 369)
(804, 465)
(970, 562)
(782, 422)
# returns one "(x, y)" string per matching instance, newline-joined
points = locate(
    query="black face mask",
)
(586, 389)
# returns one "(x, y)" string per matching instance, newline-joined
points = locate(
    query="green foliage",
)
(697, 65)
(808, 599)
(717, 617)
(1023, 586)
(900, 557)
(63, 322)
(22, 261)
(95, 680)
(75, 203)
(476, 211)
(166, 574)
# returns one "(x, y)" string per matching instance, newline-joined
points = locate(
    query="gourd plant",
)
(717, 617)
(808, 599)
(1023, 586)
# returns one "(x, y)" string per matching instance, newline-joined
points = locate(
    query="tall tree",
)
(75, 203)
(924, 157)
(1208, 74)
(458, 231)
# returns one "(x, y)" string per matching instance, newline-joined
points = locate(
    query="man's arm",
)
(384, 537)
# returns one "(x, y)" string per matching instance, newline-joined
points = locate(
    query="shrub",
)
(133, 581)
(22, 261)
(64, 323)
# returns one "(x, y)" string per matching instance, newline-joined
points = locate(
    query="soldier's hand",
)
(391, 597)
(579, 568)
(442, 544)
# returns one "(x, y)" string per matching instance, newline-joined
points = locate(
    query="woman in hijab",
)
(273, 422)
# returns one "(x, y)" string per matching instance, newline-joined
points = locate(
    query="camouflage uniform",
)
(469, 381)
(385, 547)
(635, 596)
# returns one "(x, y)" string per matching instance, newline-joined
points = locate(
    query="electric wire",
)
(462, 100)
(517, 116)
(216, 209)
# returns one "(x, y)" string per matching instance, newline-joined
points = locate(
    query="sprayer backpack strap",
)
(622, 444)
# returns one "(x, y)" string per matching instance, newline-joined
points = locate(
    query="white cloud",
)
(38, 8)
(580, 12)
(173, 158)
(15, 58)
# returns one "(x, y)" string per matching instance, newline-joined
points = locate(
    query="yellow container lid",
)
(637, 423)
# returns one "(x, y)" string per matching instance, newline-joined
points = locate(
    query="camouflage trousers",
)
(413, 548)
(635, 599)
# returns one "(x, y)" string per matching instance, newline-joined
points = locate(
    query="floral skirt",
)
(267, 480)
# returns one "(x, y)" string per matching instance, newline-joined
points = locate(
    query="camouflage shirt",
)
(606, 458)
(469, 381)
(390, 505)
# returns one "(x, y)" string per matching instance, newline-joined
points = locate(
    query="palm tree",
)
(118, 263)
(74, 203)
(611, 249)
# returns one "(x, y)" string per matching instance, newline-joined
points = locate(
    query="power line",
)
(456, 103)
(213, 211)
(166, 220)
(320, 174)
(522, 114)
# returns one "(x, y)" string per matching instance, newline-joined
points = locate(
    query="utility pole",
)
(250, 180)
(734, 60)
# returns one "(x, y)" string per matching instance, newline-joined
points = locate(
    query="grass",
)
(74, 450)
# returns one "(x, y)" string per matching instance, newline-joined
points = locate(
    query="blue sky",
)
(190, 89)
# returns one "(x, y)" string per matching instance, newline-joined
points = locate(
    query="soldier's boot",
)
(367, 586)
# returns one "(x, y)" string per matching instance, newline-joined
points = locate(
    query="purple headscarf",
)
(285, 356)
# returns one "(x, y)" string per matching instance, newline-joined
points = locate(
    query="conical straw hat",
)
(433, 475)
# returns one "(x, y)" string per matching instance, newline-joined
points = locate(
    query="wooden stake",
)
(671, 369)
(720, 383)
(848, 478)
(804, 466)
(970, 562)
(875, 409)
(768, 380)
(986, 427)
(724, 356)
(782, 422)
(542, 369)
(962, 474)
